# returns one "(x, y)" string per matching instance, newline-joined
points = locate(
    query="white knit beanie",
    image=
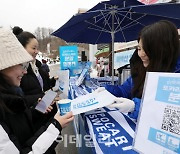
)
(11, 51)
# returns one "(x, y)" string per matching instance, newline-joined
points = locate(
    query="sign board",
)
(122, 58)
(68, 57)
(158, 128)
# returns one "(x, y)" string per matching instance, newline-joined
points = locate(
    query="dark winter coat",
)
(31, 86)
(32, 91)
(17, 130)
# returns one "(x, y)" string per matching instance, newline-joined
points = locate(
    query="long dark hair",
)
(160, 42)
(138, 73)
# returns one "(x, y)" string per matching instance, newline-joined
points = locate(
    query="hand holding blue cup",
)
(64, 106)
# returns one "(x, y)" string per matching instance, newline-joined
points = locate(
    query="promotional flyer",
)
(158, 128)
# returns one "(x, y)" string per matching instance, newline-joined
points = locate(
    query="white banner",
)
(158, 128)
(91, 101)
(122, 58)
(112, 132)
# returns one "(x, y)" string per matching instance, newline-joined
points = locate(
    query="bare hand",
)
(56, 77)
(49, 109)
(65, 119)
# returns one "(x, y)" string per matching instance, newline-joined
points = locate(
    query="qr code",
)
(171, 120)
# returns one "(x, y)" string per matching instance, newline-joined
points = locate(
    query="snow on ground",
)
(40, 57)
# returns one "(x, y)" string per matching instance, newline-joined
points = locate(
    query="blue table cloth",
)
(108, 131)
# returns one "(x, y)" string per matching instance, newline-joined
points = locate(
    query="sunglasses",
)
(25, 65)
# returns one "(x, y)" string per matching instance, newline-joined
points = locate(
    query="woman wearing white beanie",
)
(16, 127)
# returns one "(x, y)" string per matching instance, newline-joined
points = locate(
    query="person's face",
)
(32, 47)
(15, 73)
(142, 54)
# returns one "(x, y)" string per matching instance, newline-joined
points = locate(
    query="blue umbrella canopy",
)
(163, 9)
(124, 23)
(115, 21)
(94, 26)
(117, 3)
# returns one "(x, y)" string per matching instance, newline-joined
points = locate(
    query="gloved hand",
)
(123, 104)
(98, 90)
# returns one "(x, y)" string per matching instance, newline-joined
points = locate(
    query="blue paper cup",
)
(64, 106)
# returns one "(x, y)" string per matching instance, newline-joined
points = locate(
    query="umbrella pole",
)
(112, 36)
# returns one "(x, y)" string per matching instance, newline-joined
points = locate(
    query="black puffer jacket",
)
(32, 91)
(31, 86)
(16, 122)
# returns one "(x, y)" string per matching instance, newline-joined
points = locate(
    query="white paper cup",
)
(64, 106)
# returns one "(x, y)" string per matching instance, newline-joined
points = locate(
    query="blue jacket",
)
(124, 90)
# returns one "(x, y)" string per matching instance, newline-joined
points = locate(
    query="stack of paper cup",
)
(64, 106)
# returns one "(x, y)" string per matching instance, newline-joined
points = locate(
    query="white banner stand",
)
(158, 128)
